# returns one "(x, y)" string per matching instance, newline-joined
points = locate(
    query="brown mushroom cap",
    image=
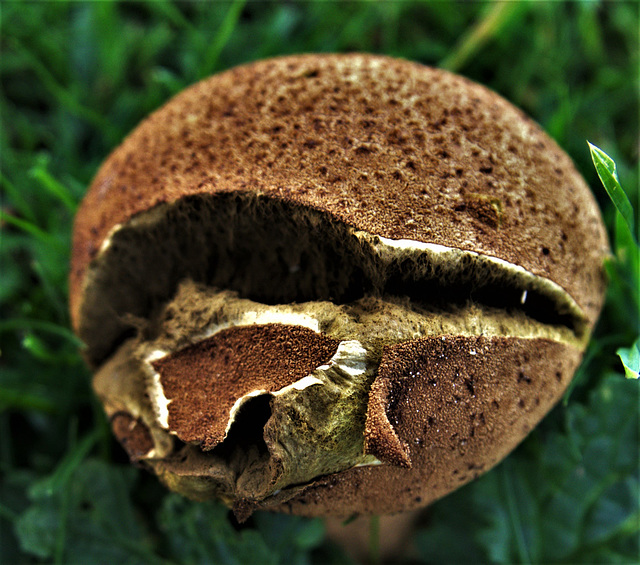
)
(413, 158)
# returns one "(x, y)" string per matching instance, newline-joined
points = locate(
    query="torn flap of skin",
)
(381, 439)
(204, 381)
(265, 408)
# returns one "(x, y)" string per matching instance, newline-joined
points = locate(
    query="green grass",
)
(78, 76)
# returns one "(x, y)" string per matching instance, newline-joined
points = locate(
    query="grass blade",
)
(32, 230)
(63, 472)
(606, 169)
(222, 37)
(11, 399)
(16, 199)
(374, 540)
(630, 358)
(40, 325)
(497, 16)
(514, 514)
(40, 173)
(62, 95)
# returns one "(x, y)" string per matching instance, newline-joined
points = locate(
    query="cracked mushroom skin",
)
(333, 284)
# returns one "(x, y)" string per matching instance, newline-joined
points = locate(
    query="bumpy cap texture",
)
(388, 146)
(380, 277)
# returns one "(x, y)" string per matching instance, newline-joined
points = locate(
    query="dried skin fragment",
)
(202, 383)
(133, 435)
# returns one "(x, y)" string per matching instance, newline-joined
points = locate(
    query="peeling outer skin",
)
(205, 381)
(311, 393)
(127, 405)
(375, 258)
(452, 259)
(455, 406)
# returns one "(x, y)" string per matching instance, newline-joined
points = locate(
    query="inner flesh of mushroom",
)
(237, 337)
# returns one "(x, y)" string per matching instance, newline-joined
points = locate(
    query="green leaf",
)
(630, 358)
(442, 543)
(606, 169)
(289, 536)
(36, 529)
(87, 519)
(202, 533)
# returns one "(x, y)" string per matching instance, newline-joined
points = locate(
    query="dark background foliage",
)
(77, 76)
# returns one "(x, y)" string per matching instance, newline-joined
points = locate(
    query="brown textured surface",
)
(132, 434)
(204, 381)
(457, 413)
(388, 146)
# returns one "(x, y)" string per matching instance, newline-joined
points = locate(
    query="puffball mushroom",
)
(333, 284)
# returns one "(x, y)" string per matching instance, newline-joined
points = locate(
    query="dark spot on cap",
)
(522, 378)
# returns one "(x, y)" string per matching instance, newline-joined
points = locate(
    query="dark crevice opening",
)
(246, 434)
(433, 294)
(275, 252)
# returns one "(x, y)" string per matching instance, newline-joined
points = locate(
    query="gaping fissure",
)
(274, 252)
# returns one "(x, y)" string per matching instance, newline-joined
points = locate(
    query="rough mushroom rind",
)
(333, 284)
(455, 419)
